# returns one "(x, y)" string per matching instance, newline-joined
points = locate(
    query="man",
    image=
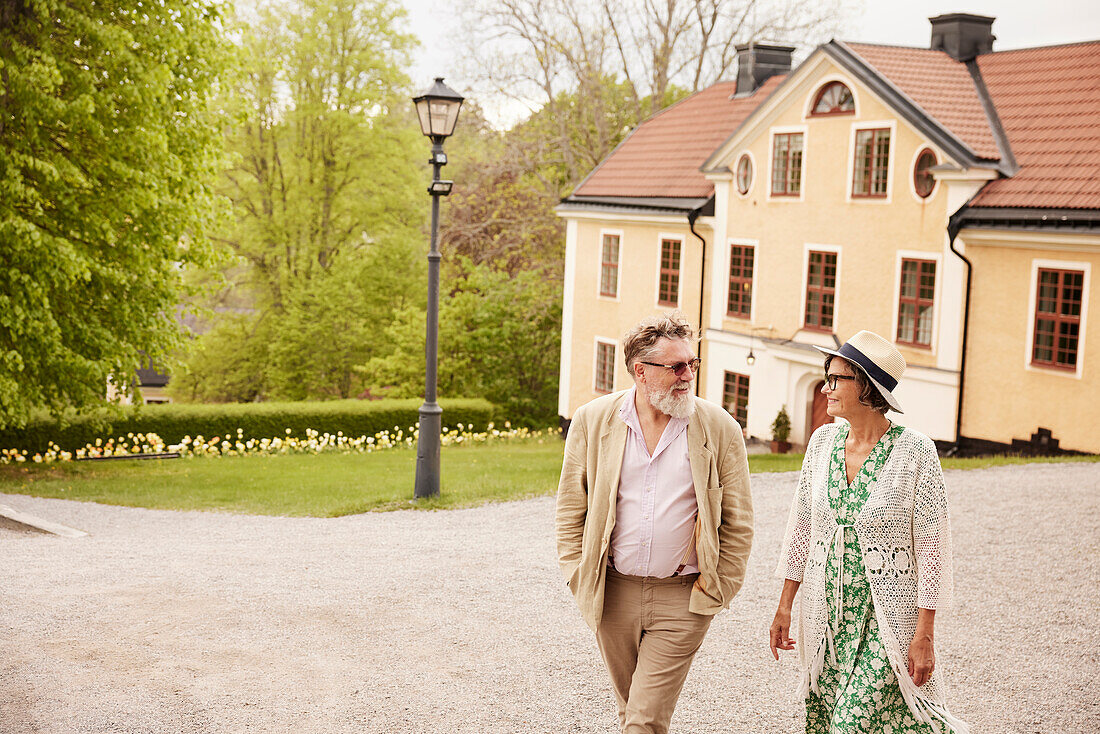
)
(654, 520)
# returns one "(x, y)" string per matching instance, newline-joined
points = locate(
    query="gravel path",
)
(449, 622)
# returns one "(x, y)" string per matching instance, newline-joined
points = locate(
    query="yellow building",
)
(947, 197)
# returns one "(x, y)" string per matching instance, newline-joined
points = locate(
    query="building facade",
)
(947, 197)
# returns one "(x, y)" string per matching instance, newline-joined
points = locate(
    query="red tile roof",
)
(1048, 100)
(661, 158)
(940, 86)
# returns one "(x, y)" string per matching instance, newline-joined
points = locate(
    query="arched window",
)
(834, 99)
(744, 173)
(923, 180)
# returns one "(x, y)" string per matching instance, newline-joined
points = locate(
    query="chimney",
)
(756, 62)
(962, 36)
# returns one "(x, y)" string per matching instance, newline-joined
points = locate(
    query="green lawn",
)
(329, 485)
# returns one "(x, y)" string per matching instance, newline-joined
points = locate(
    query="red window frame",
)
(916, 295)
(921, 178)
(609, 267)
(1056, 330)
(668, 288)
(871, 166)
(838, 109)
(739, 296)
(735, 394)
(820, 290)
(786, 164)
(605, 367)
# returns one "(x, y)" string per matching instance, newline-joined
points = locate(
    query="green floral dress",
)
(859, 693)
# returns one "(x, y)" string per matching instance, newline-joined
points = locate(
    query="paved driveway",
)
(458, 621)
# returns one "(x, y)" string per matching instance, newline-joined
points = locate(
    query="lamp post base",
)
(427, 451)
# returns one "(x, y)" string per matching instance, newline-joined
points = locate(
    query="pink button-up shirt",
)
(656, 507)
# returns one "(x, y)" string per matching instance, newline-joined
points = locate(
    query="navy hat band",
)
(873, 370)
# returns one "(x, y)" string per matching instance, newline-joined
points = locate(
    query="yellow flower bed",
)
(314, 442)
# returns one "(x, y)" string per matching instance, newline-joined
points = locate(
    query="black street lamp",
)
(438, 112)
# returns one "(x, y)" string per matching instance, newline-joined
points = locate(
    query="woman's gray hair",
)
(868, 393)
(639, 342)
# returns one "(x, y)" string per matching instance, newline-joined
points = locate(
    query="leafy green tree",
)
(108, 152)
(327, 191)
(499, 338)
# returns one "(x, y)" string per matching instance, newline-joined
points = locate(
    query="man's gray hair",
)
(639, 342)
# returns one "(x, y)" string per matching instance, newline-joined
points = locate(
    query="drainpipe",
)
(692, 216)
(953, 226)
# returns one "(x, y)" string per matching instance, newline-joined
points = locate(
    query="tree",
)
(327, 192)
(108, 152)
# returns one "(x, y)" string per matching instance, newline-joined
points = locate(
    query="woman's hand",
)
(779, 636)
(922, 656)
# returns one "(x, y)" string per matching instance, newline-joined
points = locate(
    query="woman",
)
(868, 542)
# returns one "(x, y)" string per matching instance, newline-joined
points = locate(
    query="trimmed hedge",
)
(258, 420)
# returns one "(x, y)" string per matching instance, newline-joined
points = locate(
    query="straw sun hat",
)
(876, 358)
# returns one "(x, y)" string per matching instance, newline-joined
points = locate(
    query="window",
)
(870, 173)
(739, 302)
(915, 301)
(787, 164)
(744, 174)
(668, 289)
(820, 290)
(834, 99)
(923, 181)
(605, 367)
(609, 266)
(735, 397)
(1057, 318)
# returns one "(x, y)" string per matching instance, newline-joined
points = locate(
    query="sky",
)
(1019, 24)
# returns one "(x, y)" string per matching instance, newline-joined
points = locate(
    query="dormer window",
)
(834, 99)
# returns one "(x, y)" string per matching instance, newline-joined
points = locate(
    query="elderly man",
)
(654, 520)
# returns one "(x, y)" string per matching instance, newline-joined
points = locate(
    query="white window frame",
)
(1036, 265)
(596, 342)
(755, 172)
(917, 255)
(806, 249)
(786, 130)
(807, 110)
(679, 281)
(940, 158)
(892, 171)
(618, 266)
(755, 245)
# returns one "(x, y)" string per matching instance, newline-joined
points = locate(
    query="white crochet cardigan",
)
(905, 536)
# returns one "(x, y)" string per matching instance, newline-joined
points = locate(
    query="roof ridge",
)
(1037, 48)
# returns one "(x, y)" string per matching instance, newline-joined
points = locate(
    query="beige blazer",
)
(589, 488)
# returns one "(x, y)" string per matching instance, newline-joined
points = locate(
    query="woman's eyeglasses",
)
(831, 380)
(679, 368)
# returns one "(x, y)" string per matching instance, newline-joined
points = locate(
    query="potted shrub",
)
(781, 431)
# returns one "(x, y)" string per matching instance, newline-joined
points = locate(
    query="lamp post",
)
(438, 111)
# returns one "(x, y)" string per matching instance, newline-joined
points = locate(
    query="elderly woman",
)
(868, 542)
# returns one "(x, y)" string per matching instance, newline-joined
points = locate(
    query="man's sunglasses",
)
(679, 368)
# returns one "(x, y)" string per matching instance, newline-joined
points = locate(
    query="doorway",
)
(819, 414)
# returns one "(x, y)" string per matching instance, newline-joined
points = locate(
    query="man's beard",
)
(672, 404)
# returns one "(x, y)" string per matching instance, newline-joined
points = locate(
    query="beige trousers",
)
(648, 639)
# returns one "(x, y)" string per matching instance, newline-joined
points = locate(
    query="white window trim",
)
(918, 255)
(785, 130)
(1031, 303)
(679, 281)
(940, 158)
(807, 110)
(755, 172)
(755, 245)
(806, 249)
(618, 267)
(596, 342)
(892, 169)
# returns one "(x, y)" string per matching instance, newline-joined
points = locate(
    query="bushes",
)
(256, 420)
